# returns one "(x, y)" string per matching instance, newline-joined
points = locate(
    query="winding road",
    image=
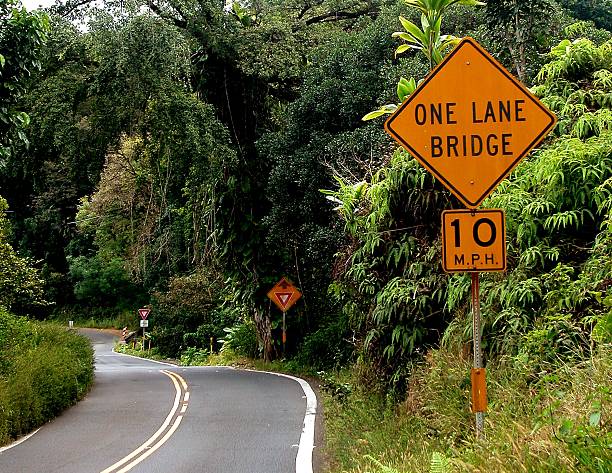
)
(147, 417)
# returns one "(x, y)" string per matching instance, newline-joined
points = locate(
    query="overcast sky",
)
(33, 4)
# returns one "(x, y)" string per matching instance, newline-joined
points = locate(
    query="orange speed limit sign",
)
(473, 240)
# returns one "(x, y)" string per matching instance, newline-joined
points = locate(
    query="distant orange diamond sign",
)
(284, 295)
(470, 122)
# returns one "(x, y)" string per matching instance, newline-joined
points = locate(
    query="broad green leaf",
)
(404, 36)
(471, 3)
(424, 23)
(24, 118)
(2, 60)
(384, 110)
(373, 115)
(402, 91)
(402, 48)
(417, 4)
(566, 427)
(437, 56)
(405, 88)
(438, 24)
(595, 419)
(412, 29)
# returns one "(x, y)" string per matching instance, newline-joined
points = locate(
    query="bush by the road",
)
(44, 368)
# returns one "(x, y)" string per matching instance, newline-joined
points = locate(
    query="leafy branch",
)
(427, 39)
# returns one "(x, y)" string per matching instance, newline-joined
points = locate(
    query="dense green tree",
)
(597, 11)
(20, 283)
(323, 134)
(22, 35)
(520, 30)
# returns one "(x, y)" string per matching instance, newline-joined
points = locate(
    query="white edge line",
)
(20, 441)
(146, 359)
(303, 460)
(154, 437)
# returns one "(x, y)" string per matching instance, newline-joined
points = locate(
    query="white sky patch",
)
(34, 4)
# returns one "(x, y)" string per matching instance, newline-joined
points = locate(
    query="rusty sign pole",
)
(479, 393)
(284, 332)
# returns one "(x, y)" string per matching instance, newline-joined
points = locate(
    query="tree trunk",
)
(519, 54)
(264, 333)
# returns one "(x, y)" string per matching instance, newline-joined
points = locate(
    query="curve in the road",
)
(153, 444)
(238, 422)
(303, 460)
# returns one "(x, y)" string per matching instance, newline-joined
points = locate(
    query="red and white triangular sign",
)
(144, 313)
(283, 297)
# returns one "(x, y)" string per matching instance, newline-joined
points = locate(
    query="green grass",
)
(554, 421)
(97, 319)
(135, 348)
(44, 368)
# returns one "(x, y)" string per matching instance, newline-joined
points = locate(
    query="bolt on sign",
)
(284, 295)
(470, 122)
(473, 240)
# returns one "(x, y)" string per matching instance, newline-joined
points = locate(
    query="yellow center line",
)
(163, 440)
(150, 445)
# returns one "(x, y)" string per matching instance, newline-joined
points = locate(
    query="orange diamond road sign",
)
(284, 295)
(470, 122)
(473, 240)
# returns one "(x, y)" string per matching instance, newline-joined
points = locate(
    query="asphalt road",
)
(145, 417)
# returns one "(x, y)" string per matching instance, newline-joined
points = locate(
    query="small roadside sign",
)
(144, 323)
(144, 313)
(473, 240)
(470, 122)
(284, 295)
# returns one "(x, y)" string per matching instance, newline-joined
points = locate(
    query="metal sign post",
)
(479, 392)
(144, 323)
(284, 331)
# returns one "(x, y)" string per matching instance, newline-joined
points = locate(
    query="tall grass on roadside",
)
(44, 369)
(556, 420)
(96, 318)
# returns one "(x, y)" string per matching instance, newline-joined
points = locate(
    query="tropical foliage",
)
(185, 156)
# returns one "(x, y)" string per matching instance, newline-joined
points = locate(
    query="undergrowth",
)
(44, 368)
(95, 318)
(554, 421)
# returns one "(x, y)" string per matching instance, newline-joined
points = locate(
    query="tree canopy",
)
(188, 154)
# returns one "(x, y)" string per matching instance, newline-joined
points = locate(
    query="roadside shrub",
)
(96, 317)
(45, 369)
(329, 347)
(189, 313)
(559, 423)
(242, 339)
(194, 356)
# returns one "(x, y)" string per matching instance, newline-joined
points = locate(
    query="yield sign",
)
(284, 295)
(144, 313)
(470, 122)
